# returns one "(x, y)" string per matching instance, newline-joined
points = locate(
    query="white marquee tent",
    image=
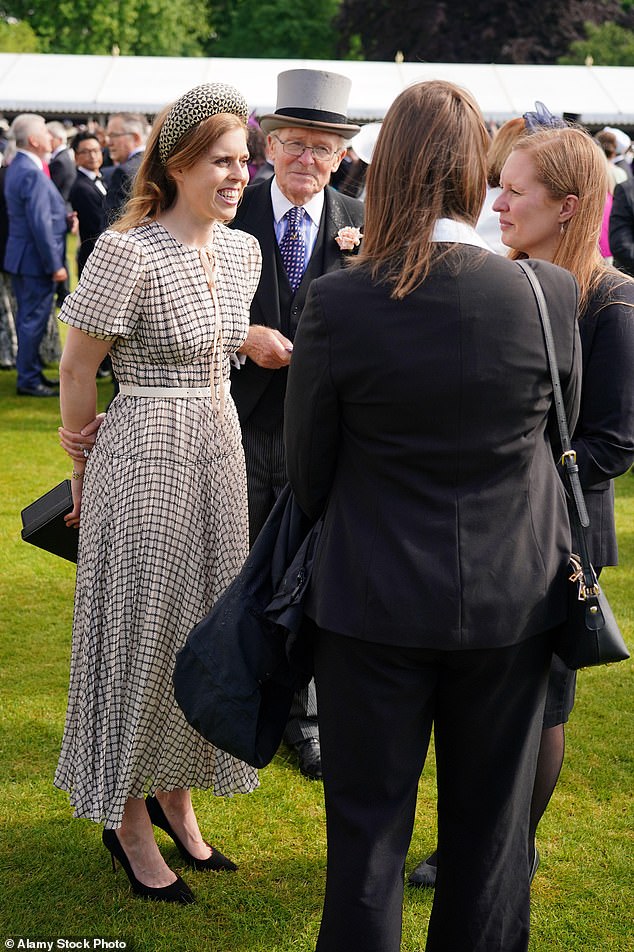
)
(67, 85)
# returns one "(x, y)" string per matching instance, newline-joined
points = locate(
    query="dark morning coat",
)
(63, 171)
(259, 393)
(120, 183)
(423, 426)
(90, 204)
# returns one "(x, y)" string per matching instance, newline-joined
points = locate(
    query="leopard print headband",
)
(198, 104)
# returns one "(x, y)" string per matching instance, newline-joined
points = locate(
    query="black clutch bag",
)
(44, 525)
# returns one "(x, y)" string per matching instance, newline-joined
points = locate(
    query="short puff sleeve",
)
(107, 301)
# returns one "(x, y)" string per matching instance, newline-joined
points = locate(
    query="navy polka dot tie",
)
(293, 247)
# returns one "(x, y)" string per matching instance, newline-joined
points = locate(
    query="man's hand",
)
(60, 275)
(76, 443)
(266, 347)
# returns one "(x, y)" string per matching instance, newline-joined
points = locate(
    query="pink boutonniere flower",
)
(348, 238)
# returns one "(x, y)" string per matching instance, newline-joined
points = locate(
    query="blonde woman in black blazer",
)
(417, 416)
(542, 170)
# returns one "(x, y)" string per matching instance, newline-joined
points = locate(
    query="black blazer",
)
(259, 393)
(423, 426)
(90, 204)
(604, 435)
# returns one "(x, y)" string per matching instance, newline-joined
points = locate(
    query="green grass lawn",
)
(56, 875)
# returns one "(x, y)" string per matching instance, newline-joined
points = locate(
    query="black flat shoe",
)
(177, 891)
(217, 862)
(424, 875)
(49, 382)
(309, 758)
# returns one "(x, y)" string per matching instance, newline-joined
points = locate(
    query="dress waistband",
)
(130, 390)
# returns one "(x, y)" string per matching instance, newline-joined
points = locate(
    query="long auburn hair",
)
(154, 189)
(430, 162)
(569, 162)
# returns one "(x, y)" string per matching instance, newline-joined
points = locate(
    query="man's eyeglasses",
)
(320, 152)
(89, 152)
(117, 135)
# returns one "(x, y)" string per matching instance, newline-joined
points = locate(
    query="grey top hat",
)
(311, 98)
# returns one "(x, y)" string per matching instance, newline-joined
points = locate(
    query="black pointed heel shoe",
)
(534, 864)
(177, 891)
(216, 862)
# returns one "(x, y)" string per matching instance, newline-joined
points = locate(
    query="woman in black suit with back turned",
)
(417, 416)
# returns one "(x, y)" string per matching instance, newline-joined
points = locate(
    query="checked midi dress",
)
(164, 513)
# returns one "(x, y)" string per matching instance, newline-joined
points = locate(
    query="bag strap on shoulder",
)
(568, 459)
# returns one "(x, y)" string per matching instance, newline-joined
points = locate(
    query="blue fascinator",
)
(543, 118)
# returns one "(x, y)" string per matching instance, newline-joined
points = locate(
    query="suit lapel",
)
(326, 255)
(336, 216)
(257, 219)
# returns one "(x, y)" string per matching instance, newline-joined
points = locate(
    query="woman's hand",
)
(77, 486)
(79, 445)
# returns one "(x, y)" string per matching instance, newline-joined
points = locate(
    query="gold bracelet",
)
(76, 475)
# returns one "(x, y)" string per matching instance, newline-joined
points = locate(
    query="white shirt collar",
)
(87, 172)
(281, 204)
(457, 232)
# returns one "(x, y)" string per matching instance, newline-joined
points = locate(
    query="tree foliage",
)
(134, 27)
(606, 45)
(17, 37)
(293, 29)
(477, 31)
(473, 31)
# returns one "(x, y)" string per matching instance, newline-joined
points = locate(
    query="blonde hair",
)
(569, 162)
(154, 189)
(429, 163)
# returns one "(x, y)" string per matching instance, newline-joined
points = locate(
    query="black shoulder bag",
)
(590, 635)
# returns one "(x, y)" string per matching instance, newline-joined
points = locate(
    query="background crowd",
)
(93, 166)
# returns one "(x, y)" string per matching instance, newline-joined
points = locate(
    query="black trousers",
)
(377, 704)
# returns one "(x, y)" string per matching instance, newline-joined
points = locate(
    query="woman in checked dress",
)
(162, 496)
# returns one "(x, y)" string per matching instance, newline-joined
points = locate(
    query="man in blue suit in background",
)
(35, 247)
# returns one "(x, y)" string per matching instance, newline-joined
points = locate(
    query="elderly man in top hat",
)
(305, 229)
